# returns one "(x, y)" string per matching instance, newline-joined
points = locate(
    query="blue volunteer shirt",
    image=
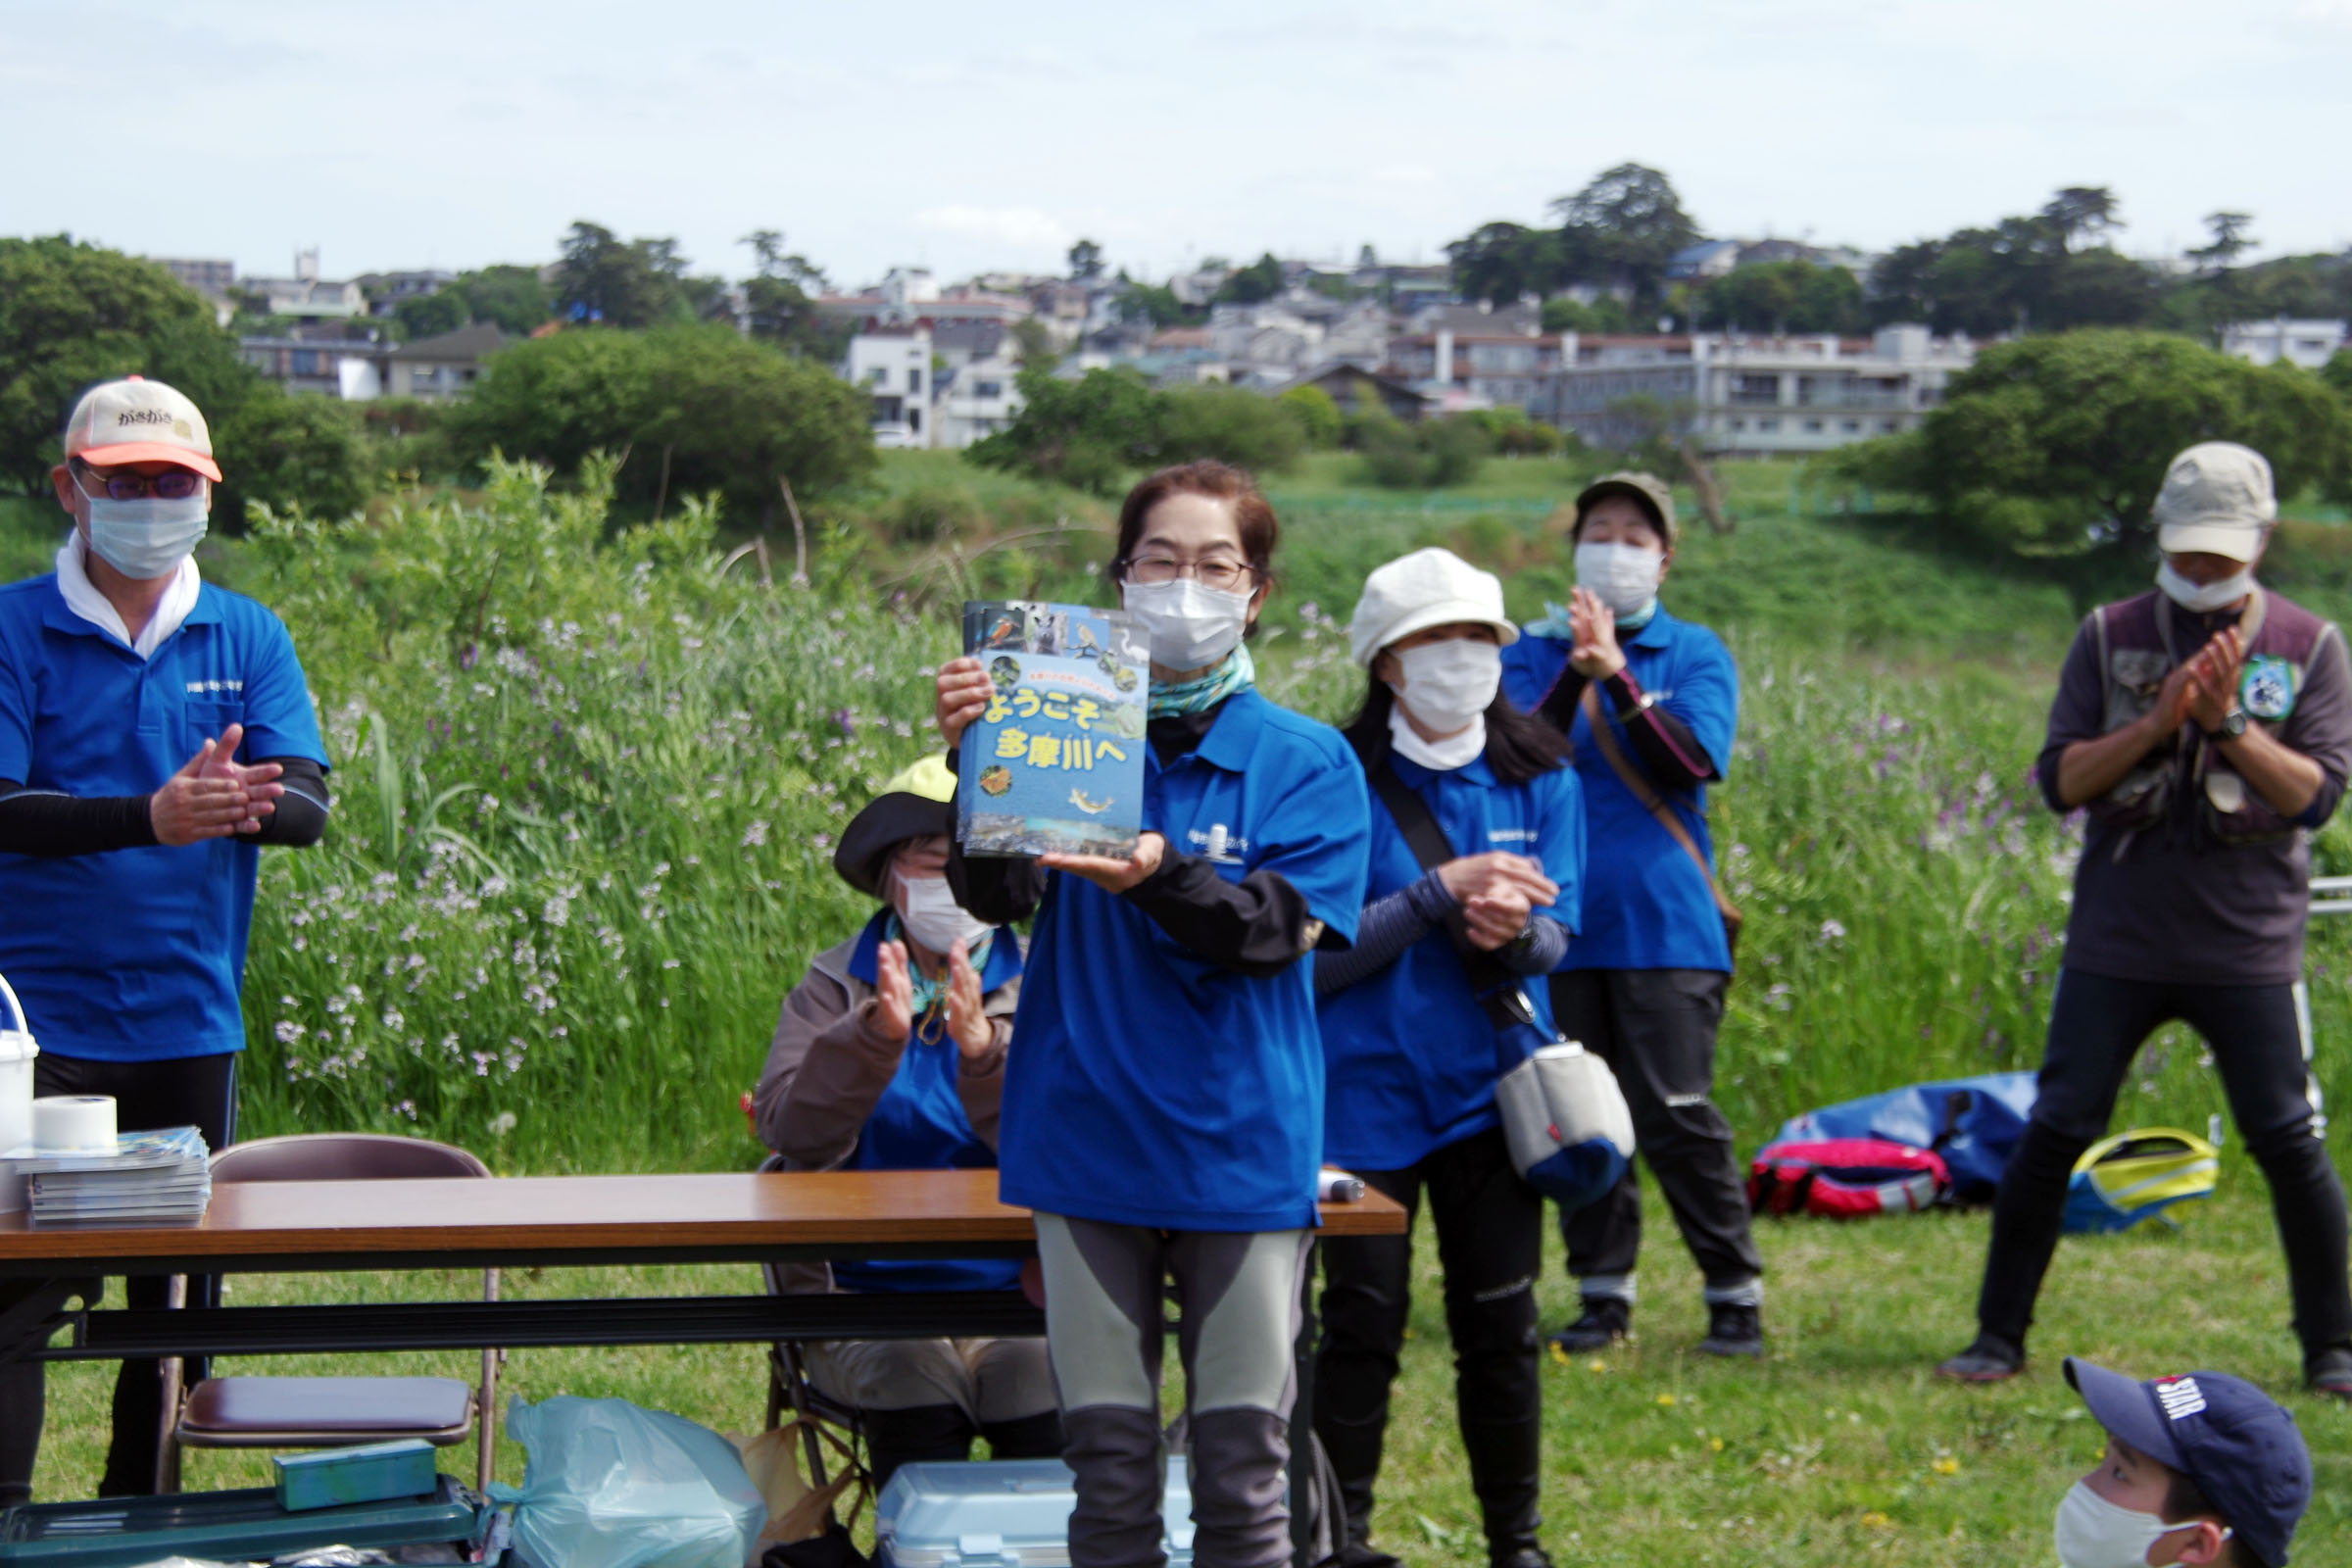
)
(919, 1124)
(1150, 1085)
(1409, 1055)
(1646, 907)
(137, 955)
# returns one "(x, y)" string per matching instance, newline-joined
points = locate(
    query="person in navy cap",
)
(2199, 1468)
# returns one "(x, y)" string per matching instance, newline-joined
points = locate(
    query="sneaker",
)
(1988, 1359)
(1521, 1555)
(1733, 1330)
(2329, 1371)
(1607, 1320)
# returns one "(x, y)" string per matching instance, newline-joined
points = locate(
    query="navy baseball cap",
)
(2232, 1440)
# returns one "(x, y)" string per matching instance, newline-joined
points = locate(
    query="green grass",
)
(582, 849)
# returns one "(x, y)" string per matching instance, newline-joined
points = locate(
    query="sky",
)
(454, 133)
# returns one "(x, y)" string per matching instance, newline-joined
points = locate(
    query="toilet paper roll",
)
(73, 1124)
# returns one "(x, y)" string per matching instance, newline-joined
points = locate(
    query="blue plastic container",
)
(1001, 1513)
(374, 1473)
(224, 1526)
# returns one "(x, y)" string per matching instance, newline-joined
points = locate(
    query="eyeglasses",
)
(173, 484)
(1222, 575)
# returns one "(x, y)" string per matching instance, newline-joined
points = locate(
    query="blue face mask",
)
(149, 536)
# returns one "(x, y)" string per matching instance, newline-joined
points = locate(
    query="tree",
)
(1231, 424)
(2079, 211)
(71, 314)
(2229, 240)
(1089, 433)
(1085, 260)
(1033, 345)
(1792, 296)
(1318, 416)
(1254, 284)
(1621, 229)
(2057, 445)
(1501, 262)
(602, 280)
(692, 406)
(1604, 314)
(1153, 302)
(511, 297)
(778, 303)
(430, 315)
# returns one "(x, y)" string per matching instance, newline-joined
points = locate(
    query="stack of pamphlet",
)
(159, 1176)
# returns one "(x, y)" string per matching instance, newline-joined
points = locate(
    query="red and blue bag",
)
(1846, 1178)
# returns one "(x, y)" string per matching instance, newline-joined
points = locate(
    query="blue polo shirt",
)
(1150, 1085)
(919, 1124)
(1409, 1055)
(137, 955)
(1646, 907)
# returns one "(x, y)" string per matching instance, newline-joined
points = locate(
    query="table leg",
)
(33, 1311)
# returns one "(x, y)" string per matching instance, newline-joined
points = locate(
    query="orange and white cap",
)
(138, 420)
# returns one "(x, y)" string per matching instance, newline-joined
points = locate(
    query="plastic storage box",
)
(235, 1526)
(1001, 1513)
(376, 1472)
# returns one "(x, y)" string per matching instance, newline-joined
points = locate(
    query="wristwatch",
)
(2232, 727)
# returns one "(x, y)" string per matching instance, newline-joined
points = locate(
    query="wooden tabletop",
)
(654, 1216)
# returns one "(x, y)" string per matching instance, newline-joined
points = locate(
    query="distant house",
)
(2309, 344)
(1708, 259)
(893, 366)
(442, 367)
(975, 400)
(1474, 370)
(1357, 390)
(1751, 396)
(329, 366)
(384, 292)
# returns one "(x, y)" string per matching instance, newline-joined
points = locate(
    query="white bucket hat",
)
(2217, 500)
(1428, 588)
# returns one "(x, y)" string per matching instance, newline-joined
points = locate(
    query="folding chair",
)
(788, 1385)
(323, 1412)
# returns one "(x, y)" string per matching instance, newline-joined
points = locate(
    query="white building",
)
(976, 400)
(893, 364)
(1753, 396)
(2309, 344)
(306, 296)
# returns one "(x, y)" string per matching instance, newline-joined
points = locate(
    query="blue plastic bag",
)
(1974, 1123)
(612, 1485)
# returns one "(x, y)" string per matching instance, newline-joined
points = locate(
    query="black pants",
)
(1656, 1028)
(190, 1091)
(2260, 1049)
(1490, 1228)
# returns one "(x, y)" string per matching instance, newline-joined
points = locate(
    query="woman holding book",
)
(1648, 701)
(890, 1055)
(1164, 1113)
(1476, 850)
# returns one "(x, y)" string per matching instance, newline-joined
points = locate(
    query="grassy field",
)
(586, 792)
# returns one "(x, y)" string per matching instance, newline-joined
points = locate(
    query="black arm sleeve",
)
(1669, 753)
(1387, 927)
(52, 826)
(300, 819)
(1558, 707)
(998, 889)
(1256, 926)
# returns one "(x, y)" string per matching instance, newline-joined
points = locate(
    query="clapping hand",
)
(2213, 676)
(1592, 629)
(894, 992)
(213, 795)
(1497, 892)
(967, 1017)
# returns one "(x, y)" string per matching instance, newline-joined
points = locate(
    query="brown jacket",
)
(827, 1065)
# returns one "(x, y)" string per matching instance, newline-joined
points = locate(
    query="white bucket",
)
(17, 1052)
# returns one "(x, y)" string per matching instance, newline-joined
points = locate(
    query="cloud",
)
(1024, 228)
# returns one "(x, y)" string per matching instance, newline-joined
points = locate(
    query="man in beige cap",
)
(2206, 727)
(153, 730)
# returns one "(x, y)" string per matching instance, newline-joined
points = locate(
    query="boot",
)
(1733, 1330)
(2329, 1371)
(1606, 1319)
(1988, 1359)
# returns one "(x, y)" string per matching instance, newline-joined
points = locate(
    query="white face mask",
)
(1449, 684)
(2093, 1533)
(1439, 755)
(1625, 576)
(934, 919)
(2206, 597)
(149, 536)
(1190, 626)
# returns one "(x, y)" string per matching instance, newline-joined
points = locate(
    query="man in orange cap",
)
(154, 730)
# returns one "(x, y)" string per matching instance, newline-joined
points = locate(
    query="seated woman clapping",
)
(890, 1055)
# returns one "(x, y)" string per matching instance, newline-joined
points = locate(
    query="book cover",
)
(1057, 762)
